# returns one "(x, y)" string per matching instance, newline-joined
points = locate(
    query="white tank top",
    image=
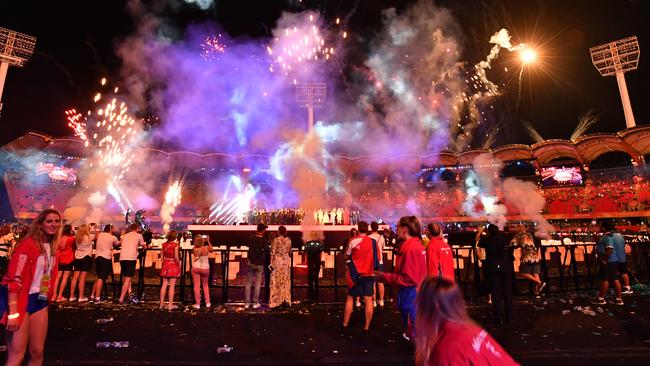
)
(201, 262)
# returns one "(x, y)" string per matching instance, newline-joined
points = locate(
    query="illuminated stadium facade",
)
(34, 156)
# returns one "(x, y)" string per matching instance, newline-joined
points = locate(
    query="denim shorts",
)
(34, 304)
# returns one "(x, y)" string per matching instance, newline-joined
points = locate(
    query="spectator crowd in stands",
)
(600, 194)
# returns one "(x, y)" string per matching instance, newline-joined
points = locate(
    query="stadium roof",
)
(634, 142)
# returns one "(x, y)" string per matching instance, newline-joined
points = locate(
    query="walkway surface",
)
(557, 330)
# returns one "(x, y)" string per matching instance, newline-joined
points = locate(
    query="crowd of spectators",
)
(604, 194)
(610, 194)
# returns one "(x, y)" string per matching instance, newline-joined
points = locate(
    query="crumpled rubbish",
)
(115, 344)
(585, 310)
(225, 349)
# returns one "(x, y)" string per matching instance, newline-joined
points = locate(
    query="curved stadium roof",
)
(634, 142)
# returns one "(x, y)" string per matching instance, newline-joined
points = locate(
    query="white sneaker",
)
(247, 306)
(599, 301)
(83, 299)
(380, 303)
(374, 303)
(627, 291)
(257, 305)
(618, 301)
(208, 305)
(358, 304)
(72, 299)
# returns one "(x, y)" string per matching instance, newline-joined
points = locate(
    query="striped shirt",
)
(5, 244)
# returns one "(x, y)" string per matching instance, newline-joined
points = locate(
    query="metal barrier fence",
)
(565, 267)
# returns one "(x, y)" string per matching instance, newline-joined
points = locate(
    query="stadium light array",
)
(311, 95)
(15, 49)
(617, 58)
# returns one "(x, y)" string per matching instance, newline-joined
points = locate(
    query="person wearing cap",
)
(257, 248)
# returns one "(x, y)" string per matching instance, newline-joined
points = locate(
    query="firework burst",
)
(172, 200)
(212, 48)
(300, 44)
(585, 121)
(532, 132)
(173, 195)
(110, 131)
(78, 125)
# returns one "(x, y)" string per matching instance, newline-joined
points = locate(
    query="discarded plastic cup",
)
(117, 344)
(224, 349)
(105, 320)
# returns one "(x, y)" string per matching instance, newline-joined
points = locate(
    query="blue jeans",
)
(254, 271)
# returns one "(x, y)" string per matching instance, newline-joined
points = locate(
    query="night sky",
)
(76, 42)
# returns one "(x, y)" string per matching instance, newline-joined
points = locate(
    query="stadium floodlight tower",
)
(617, 58)
(311, 95)
(15, 49)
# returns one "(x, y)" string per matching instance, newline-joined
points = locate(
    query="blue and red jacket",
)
(412, 267)
(20, 273)
(363, 258)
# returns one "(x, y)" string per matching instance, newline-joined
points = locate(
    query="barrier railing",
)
(565, 267)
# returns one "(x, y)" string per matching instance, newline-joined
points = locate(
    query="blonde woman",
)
(201, 270)
(26, 290)
(83, 261)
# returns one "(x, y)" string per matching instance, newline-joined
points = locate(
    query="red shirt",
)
(440, 259)
(361, 253)
(467, 344)
(412, 268)
(65, 252)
